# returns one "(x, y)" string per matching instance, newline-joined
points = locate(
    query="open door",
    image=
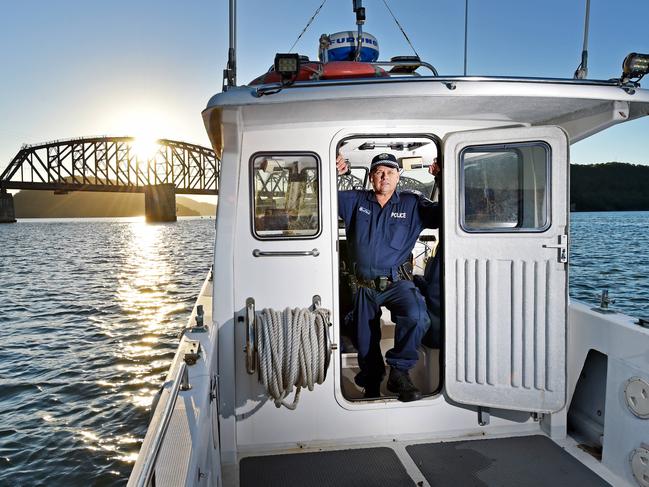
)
(505, 256)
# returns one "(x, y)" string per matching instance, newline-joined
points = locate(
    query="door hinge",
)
(562, 247)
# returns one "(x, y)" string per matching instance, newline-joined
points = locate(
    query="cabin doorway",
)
(415, 153)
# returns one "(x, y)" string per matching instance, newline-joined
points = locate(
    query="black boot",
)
(372, 391)
(399, 382)
(371, 385)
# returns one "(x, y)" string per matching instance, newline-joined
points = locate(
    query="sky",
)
(72, 68)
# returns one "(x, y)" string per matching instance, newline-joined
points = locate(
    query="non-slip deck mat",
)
(369, 467)
(530, 461)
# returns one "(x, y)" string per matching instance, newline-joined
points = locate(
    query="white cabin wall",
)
(324, 415)
(223, 271)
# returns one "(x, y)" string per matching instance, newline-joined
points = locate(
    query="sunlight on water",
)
(142, 293)
(128, 458)
(144, 399)
(138, 350)
(102, 322)
(89, 436)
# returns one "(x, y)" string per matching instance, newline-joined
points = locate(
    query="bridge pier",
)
(7, 212)
(160, 203)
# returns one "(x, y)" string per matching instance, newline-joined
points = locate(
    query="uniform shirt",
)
(381, 239)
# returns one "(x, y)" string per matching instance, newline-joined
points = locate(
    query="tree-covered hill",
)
(613, 186)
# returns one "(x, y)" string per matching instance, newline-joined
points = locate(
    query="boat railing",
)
(180, 383)
(415, 63)
(449, 81)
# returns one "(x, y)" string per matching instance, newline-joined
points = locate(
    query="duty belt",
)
(381, 283)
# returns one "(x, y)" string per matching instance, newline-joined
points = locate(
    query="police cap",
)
(384, 159)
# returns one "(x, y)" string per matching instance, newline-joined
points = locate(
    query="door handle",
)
(562, 246)
(286, 253)
(251, 329)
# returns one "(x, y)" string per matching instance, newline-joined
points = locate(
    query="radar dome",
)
(342, 47)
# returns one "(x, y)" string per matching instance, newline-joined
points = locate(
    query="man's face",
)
(384, 180)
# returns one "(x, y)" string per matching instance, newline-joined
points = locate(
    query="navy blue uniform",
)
(379, 241)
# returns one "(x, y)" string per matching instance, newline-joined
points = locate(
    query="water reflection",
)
(101, 320)
(145, 283)
(141, 294)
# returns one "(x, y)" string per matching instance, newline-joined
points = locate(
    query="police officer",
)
(382, 226)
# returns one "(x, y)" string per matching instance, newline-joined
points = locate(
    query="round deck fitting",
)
(640, 465)
(636, 394)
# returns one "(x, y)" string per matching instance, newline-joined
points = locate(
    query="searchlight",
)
(287, 65)
(635, 66)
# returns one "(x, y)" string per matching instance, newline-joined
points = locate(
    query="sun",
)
(145, 147)
(146, 125)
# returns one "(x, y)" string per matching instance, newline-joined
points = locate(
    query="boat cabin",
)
(503, 358)
(503, 145)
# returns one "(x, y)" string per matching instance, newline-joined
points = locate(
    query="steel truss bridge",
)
(112, 164)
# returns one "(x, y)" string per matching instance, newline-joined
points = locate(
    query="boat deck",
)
(533, 461)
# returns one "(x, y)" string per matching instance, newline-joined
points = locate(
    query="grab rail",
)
(285, 253)
(406, 64)
(148, 466)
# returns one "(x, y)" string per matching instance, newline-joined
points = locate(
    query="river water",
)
(90, 311)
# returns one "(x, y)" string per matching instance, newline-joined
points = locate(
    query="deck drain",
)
(636, 393)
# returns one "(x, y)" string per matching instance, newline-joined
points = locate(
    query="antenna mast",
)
(360, 20)
(230, 72)
(582, 69)
(466, 25)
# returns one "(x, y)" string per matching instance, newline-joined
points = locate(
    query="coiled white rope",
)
(293, 350)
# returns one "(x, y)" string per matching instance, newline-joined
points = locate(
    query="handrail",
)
(148, 465)
(417, 63)
(285, 253)
(449, 81)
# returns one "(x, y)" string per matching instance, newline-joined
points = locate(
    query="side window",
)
(286, 196)
(504, 188)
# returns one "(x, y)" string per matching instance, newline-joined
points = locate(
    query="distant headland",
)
(82, 204)
(612, 186)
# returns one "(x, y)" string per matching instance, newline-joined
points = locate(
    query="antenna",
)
(360, 20)
(466, 25)
(582, 69)
(230, 72)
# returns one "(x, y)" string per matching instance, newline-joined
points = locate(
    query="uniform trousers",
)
(408, 309)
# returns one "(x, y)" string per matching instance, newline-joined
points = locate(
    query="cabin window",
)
(504, 188)
(285, 191)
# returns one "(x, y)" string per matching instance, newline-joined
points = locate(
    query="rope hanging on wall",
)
(293, 350)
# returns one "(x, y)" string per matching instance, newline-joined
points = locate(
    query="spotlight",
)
(635, 66)
(287, 65)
